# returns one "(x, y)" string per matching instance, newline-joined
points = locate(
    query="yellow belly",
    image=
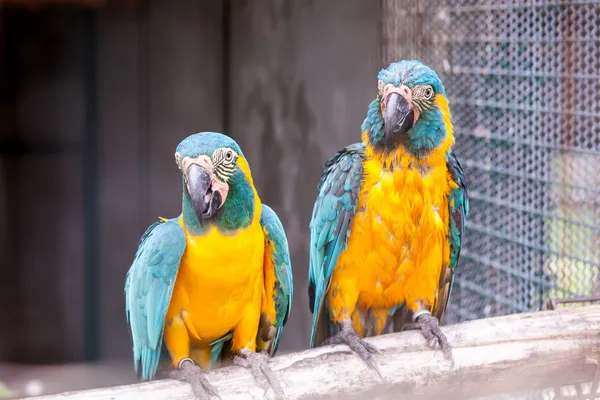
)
(218, 280)
(397, 244)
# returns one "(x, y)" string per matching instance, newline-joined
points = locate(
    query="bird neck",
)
(428, 143)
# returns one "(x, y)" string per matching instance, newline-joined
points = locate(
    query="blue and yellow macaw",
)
(389, 219)
(215, 280)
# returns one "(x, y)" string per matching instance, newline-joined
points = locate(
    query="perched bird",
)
(216, 280)
(388, 222)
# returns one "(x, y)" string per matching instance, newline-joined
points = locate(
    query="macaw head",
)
(216, 179)
(410, 109)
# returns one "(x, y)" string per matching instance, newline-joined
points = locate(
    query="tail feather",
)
(316, 334)
(323, 327)
(216, 350)
(149, 360)
(400, 317)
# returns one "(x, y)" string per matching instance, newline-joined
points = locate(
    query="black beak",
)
(205, 201)
(398, 116)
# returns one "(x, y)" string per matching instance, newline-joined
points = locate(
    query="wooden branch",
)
(492, 356)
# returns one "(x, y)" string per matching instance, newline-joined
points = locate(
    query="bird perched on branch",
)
(389, 219)
(215, 280)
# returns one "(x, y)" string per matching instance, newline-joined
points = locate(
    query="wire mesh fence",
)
(523, 80)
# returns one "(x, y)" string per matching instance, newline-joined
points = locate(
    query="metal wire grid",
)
(523, 80)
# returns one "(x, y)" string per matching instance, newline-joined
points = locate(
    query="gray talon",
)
(258, 364)
(430, 328)
(347, 335)
(191, 372)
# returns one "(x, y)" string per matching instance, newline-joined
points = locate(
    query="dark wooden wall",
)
(160, 80)
(302, 75)
(289, 80)
(41, 215)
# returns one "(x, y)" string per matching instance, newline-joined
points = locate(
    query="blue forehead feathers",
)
(411, 73)
(204, 143)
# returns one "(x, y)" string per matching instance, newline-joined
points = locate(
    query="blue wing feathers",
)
(331, 221)
(459, 208)
(148, 289)
(284, 287)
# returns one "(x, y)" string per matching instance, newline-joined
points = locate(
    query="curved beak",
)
(200, 182)
(398, 116)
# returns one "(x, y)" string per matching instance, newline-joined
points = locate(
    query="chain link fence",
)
(523, 79)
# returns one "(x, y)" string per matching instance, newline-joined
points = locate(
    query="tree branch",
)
(496, 355)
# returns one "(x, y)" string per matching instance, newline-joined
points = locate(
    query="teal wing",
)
(458, 203)
(330, 226)
(148, 289)
(277, 245)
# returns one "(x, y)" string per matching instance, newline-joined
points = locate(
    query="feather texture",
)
(389, 219)
(148, 289)
(458, 205)
(278, 277)
(332, 217)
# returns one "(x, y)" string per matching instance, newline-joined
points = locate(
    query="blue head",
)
(217, 182)
(407, 111)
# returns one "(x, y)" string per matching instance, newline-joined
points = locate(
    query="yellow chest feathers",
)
(224, 260)
(405, 200)
(219, 277)
(398, 241)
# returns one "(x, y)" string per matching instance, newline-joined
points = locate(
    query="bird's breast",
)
(402, 217)
(217, 278)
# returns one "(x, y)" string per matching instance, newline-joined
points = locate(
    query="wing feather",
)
(279, 267)
(458, 203)
(330, 226)
(148, 289)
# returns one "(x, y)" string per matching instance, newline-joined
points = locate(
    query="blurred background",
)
(96, 94)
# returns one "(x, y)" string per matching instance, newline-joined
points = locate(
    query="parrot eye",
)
(428, 92)
(228, 155)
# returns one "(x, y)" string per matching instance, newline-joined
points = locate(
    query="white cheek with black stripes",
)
(224, 161)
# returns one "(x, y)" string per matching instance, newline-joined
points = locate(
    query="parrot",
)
(389, 219)
(215, 281)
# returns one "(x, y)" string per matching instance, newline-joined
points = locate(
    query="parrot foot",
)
(191, 372)
(347, 335)
(430, 328)
(258, 365)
